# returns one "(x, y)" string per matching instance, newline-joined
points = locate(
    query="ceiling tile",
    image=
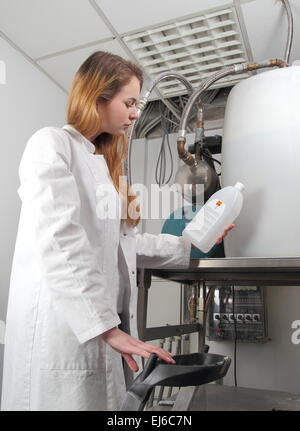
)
(268, 36)
(130, 15)
(63, 67)
(194, 47)
(48, 26)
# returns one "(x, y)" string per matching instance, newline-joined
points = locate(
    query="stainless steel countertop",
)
(241, 270)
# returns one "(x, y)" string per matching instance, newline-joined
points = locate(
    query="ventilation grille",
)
(195, 47)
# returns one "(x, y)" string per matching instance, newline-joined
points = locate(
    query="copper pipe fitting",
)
(183, 153)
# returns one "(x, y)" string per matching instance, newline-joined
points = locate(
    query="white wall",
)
(28, 101)
(273, 365)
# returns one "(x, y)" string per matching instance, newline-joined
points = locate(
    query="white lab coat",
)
(73, 273)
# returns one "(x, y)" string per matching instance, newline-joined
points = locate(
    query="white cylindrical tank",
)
(261, 149)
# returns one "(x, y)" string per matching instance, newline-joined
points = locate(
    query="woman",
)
(74, 267)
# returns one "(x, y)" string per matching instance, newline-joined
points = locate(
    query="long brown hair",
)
(100, 78)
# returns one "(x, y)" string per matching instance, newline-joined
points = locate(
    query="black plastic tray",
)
(190, 370)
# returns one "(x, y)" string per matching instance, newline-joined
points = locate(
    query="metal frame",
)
(147, 334)
(235, 270)
(211, 273)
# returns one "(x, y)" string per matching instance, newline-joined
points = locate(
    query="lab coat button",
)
(131, 317)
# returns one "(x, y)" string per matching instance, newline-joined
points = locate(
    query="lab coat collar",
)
(88, 144)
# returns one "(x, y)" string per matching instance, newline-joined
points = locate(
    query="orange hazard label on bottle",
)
(219, 203)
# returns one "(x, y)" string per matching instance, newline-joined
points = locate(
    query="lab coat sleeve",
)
(162, 251)
(67, 262)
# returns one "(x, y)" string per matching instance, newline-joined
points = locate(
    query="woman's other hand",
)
(128, 346)
(220, 238)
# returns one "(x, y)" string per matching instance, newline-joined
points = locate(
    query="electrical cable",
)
(161, 161)
(146, 121)
(235, 336)
(206, 155)
(160, 164)
(171, 121)
(148, 127)
(138, 133)
(211, 158)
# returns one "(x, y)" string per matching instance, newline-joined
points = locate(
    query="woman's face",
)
(118, 113)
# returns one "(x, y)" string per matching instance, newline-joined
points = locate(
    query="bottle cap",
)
(240, 186)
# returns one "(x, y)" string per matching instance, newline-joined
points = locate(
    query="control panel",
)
(238, 315)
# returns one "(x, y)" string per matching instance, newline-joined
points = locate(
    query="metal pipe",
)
(175, 75)
(169, 341)
(177, 344)
(178, 340)
(186, 344)
(192, 305)
(236, 68)
(199, 131)
(144, 100)
(169, 392)
(201, 314)
(206, 304)
(141, 106)
(161, 389)
(287, 7)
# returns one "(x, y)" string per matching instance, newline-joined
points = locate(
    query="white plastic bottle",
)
(219, 212)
